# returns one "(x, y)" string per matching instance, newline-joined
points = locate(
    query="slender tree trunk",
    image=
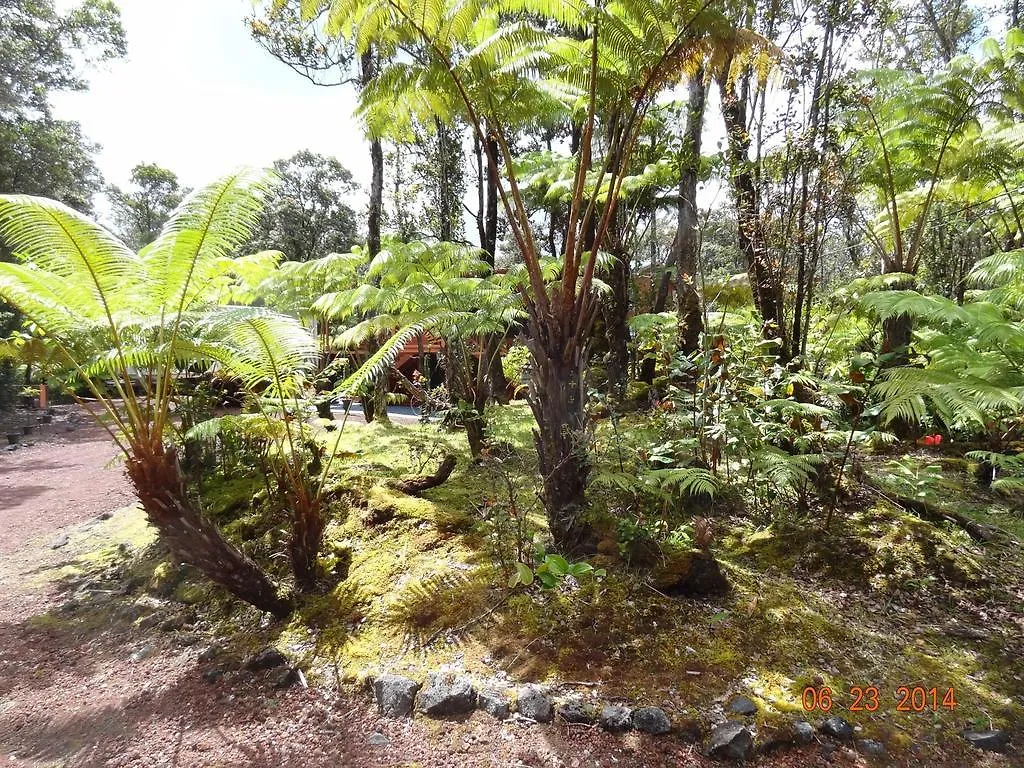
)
(687, 242)
(764, 285)
(808, 247)
(648, 367)
(615, 310)
(375, 406)
(158, 482)
(665, 279)
(488, 232)
(615, 306)
(450, 176)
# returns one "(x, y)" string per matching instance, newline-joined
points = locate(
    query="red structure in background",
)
(409, 358)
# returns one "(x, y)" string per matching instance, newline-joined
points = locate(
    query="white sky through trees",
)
(198, 96)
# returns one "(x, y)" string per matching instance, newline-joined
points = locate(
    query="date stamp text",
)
(869, 698)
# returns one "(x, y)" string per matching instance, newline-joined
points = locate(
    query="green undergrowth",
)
(882, 599)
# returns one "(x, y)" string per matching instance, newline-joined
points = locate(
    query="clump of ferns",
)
(295, 467)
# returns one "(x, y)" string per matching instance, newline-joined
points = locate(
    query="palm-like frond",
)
(787, 471)
(70, 264)
(263, 348)
(690, 481)
(194, 247)
(381, 361)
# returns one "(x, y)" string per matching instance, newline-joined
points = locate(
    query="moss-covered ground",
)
(883, 600)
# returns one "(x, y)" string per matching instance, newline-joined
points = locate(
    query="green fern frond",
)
(194, 247)
(691, 481)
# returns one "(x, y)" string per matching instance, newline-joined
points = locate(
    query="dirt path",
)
(98, 683)
(59, 479)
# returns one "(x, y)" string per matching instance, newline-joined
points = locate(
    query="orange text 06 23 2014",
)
(870, 698)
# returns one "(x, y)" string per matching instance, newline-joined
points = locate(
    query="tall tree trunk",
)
(665, 278)
(448, 199)
(375, 405)
(487, 222)
(687, 242)
(158, 482)
(648, 366)
(764, 285)
(614, 306)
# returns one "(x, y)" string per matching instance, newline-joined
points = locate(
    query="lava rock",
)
(444, 695)
(209, 653)
(494, 702)
(693, 574)
(837, 728)
(803, 732)
(213, 675)
(395, 695)
(689, 731)
(532, 702)
(743, 706)
(990, 741)
(284, 677)
(268, 658)
(148, 622)
(651, 720)
(577, 710)
(615, 718)
(142, 653)
(377, 739)
(173, 623)
(730, 741)
(871, 748)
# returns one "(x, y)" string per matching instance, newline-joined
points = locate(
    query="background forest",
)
(710, 313)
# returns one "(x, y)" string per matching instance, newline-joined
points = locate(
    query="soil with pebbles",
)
(75, 691)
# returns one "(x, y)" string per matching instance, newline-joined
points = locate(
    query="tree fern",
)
(115, 316)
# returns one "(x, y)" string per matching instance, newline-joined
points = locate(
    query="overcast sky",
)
(198, 96)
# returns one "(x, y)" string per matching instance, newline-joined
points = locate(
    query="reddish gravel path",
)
(46, 488)
(71, 694)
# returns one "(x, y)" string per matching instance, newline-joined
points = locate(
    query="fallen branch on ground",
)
(414, 486)
(935, 514)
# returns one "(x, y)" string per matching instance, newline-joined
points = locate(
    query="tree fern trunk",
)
(156, 476)
(897, 333)
(558, 401)
(308, 522)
